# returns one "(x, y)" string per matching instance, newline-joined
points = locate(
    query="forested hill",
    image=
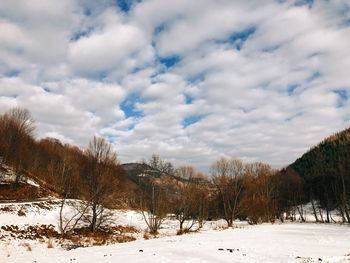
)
(325, 171)
(328, 158)
(252, 191)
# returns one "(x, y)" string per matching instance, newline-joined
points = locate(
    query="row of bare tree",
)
(16, 131)
(235, 190)
(93, 174)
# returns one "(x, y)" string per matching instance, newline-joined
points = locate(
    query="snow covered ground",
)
(7, 176)
(288, 242)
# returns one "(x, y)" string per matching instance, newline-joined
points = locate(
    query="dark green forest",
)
(325, 170)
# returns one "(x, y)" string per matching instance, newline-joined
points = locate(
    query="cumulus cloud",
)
(189, 80)
(117, 45)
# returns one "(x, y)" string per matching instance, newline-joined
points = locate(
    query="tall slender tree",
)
(100, 176)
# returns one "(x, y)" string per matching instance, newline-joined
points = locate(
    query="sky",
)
(191, 81)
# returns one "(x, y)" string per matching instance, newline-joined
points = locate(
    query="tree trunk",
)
(314, 210)
(321, 214)
(61, 228)
(94, 218)
(301, 213)
(181, 224)
(344, 200)
(327, 212)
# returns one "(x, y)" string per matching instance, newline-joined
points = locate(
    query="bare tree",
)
(154, 197)
(185, 172)
(68, 222)
(154, 207)
(260, 192)
(100, 176)
(202, 194)
(158, 166)
(227, 177)
(23, 119)
(16, 132)
(184, 205)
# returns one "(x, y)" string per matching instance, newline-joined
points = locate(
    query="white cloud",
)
(266, 97)
(105, 51)
(207, 22)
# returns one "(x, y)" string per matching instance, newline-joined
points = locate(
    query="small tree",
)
(100, 176)
(291, 189)
(66, 187)
(202, 194)
(154, 207)
(228, 180)
(154, 201)
(260, 195)
(187, 204)
(158, 167)
(16, 132)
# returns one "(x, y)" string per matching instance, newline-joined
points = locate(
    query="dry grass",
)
(180, 232)
(27, 246)
(146, 236)
(221, 227)
(32, 232)
(21, 213)
(50, 243)
(186, 231)
(81, 237)
(20, 192)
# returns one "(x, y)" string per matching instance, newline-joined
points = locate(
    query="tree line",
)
(233, 189)
(325, 173)
(92, 174)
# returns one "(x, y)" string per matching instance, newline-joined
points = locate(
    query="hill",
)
(328, 158)
(325, 170)
(27, 187)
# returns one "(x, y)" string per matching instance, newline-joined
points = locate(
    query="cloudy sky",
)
(189, 80)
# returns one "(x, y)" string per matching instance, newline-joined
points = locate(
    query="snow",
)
(263, 243)
(8, 176)
(287, 242)
(321, 213)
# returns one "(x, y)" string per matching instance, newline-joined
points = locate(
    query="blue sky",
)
(189, 80)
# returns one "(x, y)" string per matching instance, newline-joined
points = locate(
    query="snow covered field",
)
(288, 242)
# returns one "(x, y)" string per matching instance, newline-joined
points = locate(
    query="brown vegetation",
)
(236, 190)
(21, 192)
(78, 238)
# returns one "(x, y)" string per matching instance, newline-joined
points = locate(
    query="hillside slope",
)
(28, 187)
(22, 192)
(325, 170)
(331, 157)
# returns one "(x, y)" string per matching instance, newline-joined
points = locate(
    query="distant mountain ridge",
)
(135, 171)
